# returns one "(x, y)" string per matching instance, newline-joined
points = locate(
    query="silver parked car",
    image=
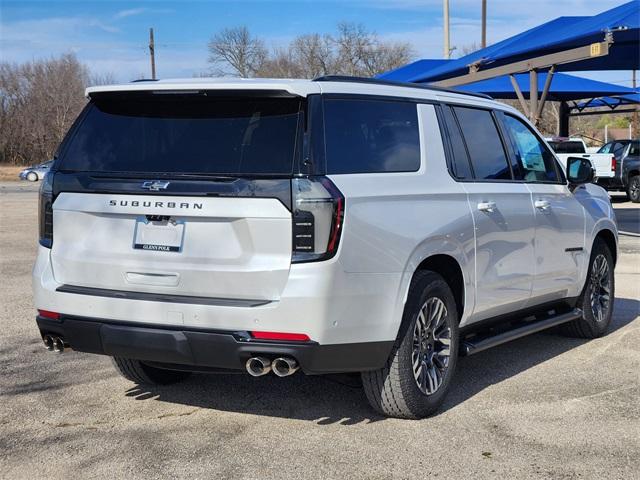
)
(35, 172)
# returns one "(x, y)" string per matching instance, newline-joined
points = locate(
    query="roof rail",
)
(144, 80)
(392, 83)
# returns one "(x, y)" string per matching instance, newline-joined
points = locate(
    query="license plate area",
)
(160, 234)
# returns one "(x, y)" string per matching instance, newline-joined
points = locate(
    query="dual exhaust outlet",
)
(281, 366)
(53, 343)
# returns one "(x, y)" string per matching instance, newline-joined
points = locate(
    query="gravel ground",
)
(541, 407)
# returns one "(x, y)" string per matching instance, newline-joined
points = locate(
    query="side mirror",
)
(579, 171)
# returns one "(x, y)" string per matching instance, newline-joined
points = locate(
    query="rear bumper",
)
(199, 349)
(321, 300)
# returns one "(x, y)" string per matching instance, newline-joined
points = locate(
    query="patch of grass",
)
(9, 172)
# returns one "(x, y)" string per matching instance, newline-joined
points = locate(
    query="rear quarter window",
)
(371, 136)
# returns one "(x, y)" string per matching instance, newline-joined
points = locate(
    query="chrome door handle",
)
(542, 204)
(487, 206)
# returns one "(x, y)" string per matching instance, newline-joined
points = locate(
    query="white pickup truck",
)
(604, 163)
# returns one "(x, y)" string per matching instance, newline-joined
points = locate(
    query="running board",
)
(469, 347)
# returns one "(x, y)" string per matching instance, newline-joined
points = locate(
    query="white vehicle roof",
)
(301, 88)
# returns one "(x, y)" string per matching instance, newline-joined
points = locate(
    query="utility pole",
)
(634, 117)
(152, 52)
(447, 47)
(483, 41)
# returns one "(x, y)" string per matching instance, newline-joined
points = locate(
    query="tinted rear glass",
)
(483, 144)
(369, 136)
(567, 147)
(461, 163)
(186, 134)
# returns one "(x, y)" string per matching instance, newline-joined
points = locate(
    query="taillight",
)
(613, 164)
(318, 212)
(45, 212)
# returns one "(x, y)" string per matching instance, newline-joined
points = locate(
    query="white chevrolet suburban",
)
(329, 225)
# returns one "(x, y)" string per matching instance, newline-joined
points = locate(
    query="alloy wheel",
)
(431, 346)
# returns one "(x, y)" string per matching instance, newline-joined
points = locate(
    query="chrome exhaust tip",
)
(58, 345)
(283, 366)
(258, 366)
(47, 340)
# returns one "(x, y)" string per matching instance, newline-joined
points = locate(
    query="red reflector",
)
(613, 164)
(296, 337)
(48, 314)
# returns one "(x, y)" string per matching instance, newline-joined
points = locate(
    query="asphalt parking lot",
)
(542, 407)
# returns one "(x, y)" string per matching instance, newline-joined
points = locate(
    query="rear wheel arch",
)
(449, 268)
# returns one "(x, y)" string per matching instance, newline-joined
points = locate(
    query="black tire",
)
(393, 390)
(141, 373)
(633, 189)
(589, 326)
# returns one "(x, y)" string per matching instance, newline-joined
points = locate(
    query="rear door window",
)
(186, 134)
(483, 142)
(371, 136)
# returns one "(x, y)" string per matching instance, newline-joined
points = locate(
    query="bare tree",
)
(39, 101)
(352, 51)
(314, 54)
(238, 49)
(465, 50)
(280, 64)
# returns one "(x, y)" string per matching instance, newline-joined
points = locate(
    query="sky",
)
(112, 36)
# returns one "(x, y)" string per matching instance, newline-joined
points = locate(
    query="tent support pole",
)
(563, 120)
(521, 99)
(545, 91)
(533, 96)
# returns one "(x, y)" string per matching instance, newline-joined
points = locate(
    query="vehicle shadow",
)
(340, 399)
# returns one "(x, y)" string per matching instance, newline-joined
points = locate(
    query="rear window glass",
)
(567, 147)
(369, 136)
(483, 144)
(186, 134)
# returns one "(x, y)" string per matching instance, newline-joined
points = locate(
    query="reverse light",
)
(293, 337)
(318, 213)
(48, 314)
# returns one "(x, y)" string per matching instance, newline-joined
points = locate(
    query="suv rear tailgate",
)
(225, 247)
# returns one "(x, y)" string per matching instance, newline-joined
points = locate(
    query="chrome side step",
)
(475, 345)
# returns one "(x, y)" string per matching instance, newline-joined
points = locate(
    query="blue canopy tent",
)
(612, 102)
(607, 41)
(564, 88)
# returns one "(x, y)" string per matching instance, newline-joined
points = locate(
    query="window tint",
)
(364, 136)
(186, 134)
(534, 158)
(461, 166)
(483, 144)
(635, 149)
